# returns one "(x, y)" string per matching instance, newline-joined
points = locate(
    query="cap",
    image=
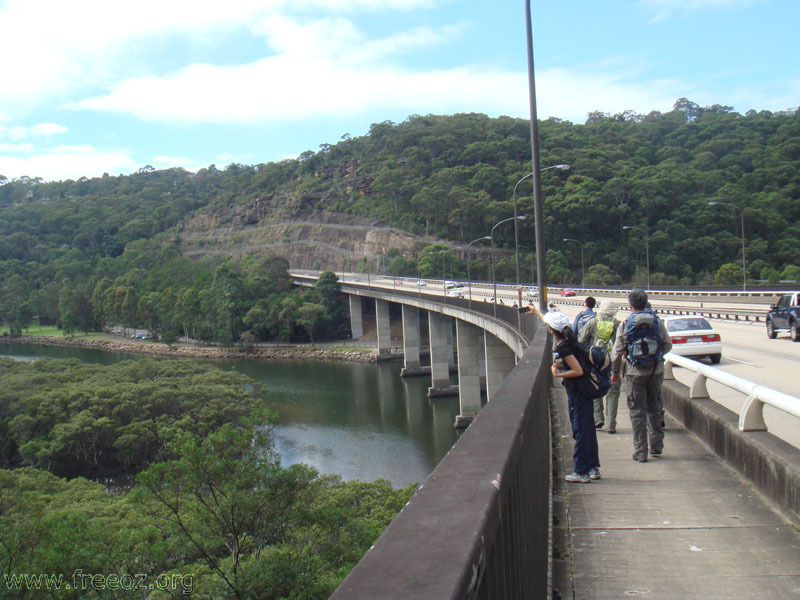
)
(608, 308)
(556, 320)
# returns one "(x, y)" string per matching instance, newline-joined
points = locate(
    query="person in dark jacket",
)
(570, 364)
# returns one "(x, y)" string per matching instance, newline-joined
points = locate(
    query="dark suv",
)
(785, 316)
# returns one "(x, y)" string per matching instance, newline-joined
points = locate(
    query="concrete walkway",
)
(677, 527)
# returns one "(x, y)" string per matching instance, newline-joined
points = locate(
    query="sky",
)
(109, 86)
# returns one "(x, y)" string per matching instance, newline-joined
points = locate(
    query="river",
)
(359, 420)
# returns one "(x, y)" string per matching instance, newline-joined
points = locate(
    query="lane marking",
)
(744, 362)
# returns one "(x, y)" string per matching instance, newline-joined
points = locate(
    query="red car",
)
(567, 292)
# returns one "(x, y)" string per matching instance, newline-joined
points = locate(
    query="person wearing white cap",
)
(570, 365)
(601, 330)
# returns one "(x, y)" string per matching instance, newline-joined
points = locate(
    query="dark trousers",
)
(585, 455)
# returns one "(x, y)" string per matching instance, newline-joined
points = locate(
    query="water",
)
(359, 420)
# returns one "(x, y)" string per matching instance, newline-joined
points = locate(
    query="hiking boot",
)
(577, 478)
(594, 473)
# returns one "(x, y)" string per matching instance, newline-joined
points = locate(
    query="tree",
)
(308, 317)
(228, 497)
(728, 274)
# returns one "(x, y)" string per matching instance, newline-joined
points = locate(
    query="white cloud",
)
(48, 129)
(66, 162)
(666, 8)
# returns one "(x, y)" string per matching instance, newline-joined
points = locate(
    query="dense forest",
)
(638, 191)
(210, 511)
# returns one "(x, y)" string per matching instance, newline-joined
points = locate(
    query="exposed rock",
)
(186, 351)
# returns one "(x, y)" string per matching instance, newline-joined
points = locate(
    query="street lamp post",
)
(469, 261)
(561, 167)
(533, 254)
(491, 236)
(744, 257)
(444, 282)
(583, 273)
(646, 247)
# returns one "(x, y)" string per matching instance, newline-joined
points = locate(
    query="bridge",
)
(496, 520)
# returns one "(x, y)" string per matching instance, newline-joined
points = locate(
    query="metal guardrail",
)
(751, 417)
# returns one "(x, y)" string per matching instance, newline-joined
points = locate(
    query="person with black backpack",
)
(642, 340)
(573, 365)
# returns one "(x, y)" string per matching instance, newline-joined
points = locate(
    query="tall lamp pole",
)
(469, 261)
(535, 169)
(646, 247)
(444, 282)
(561, 167)
(491, 236)
(533, 282)
(744, 257)
(583, 273)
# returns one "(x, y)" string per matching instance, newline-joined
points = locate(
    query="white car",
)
(693, 336)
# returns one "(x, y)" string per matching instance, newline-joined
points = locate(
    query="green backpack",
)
(605, 330)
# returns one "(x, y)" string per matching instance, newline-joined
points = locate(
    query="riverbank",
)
(191, 351)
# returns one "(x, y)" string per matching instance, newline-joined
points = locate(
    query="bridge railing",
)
(751, 417)
(480, 525)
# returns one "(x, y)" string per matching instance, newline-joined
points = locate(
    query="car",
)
(784, 315)
(458, 292)
(694, 337)
(567, 292)
(533, 293)
(421, 283)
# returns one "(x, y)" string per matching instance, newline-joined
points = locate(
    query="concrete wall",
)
(772, 465)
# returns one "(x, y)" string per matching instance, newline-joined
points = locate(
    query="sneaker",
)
(598, 424)
(640, 457)
(612, 430)
(655, 452)
(594, 473)
(577, 478)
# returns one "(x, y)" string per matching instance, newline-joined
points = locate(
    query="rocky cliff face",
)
(307, 240)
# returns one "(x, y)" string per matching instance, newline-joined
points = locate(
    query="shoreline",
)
(188, 351)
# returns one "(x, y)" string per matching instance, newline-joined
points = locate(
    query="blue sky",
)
(94, 86)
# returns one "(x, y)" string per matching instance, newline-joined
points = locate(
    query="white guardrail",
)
(751, 417)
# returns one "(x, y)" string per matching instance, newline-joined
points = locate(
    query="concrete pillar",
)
(451, 355)
(468, 338)
(356, 322)
(500, 360)
(440, 364)
(412, 340)
(382, 326)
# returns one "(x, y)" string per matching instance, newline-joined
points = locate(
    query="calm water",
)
(360, 420)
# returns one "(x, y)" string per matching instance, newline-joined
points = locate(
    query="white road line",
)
(744, 362)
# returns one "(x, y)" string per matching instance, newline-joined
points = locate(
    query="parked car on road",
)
(567, 292)
(785, 316)
(694, 337)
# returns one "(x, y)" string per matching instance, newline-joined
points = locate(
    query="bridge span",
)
(716, 517)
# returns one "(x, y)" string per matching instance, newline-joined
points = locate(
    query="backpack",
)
(596, 364)
(643, 334)
(582, 321)
(605, 331)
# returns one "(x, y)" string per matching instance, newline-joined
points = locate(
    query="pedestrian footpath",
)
(680, 526)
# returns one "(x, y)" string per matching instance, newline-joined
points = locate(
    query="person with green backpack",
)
(601, 330)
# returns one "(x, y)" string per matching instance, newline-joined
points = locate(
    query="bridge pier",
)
(382, 327)
(500, 360)
(438, 326)
(468, 338)
(356, 319)
(411, 341)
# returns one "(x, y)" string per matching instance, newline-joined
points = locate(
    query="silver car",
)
(694, 337)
